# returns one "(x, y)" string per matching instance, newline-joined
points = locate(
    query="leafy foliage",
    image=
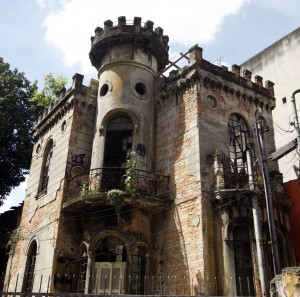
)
(16, 120)
(116, 198)
(50, 91)
(130, 180)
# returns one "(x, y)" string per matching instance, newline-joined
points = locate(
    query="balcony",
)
(150, 189)
(231, 177)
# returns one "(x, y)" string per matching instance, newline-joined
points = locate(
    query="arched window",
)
(118, 141)
(138, 271)
(45, 167)
(239, 137)
(243, 261)
(29, 270)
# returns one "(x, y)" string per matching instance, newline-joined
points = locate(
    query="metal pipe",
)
(268, 195)
(257, 227)
(296, 120)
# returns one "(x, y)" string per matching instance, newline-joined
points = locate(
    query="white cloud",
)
(187, 23)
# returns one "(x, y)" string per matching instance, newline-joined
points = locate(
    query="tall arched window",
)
(45, 167)
(118, 141)
(239, 137)
(243, 261)
(138, 271)
(29, 269)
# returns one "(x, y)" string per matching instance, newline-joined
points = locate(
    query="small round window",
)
(104, 90)
(211, 102)
(140, 88)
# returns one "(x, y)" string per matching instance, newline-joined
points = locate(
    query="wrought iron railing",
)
(101, 180)
(234, 174)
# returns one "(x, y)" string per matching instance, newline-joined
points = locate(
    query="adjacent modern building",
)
(139, 183)
(280, 63)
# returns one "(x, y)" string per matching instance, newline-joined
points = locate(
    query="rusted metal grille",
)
(235, 174)
(101, 180)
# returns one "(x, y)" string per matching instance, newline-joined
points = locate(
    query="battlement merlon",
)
(58, 108)
(145, 37)
(209, 74)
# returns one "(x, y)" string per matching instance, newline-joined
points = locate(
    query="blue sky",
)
(42, 36)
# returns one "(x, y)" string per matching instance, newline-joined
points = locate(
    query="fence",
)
(160, 285)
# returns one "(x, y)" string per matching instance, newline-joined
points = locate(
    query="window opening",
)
(243, 262)
(104, 90)
(29, 272)
(138, 271)
(140, 88)
(46, 165)
(240, 138)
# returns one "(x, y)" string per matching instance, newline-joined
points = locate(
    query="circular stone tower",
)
(128, 58)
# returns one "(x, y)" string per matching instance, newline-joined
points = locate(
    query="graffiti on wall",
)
(76, 165)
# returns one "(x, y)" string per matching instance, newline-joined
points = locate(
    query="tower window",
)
(140, 88)
(104, 90)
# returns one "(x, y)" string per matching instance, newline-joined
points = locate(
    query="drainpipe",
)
(268, 195)
(296, 120)
(257, 227)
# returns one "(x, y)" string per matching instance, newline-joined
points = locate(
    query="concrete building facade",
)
(139, 182)
(280, 63)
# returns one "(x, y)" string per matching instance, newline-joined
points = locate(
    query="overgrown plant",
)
(116, 198)
(84, 189)
(130, 175)
(13, 238)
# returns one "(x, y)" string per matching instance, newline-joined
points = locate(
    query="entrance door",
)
(109, 278)
(243, 262)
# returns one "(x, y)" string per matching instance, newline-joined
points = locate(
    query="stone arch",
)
(107, 233)
(119, 111)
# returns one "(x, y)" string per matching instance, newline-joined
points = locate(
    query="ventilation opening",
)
(104, 90)
(140, 89)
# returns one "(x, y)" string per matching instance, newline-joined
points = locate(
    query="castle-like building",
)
(139, 182)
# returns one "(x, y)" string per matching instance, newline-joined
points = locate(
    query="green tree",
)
(51, 90)
(16, 120)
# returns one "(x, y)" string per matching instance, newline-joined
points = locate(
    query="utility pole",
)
(296, 121)
(257, 227)
(268, 195)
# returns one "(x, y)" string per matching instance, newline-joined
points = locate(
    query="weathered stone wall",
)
(41, 215)
(286, 284)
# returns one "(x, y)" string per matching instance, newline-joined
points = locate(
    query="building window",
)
(240, 140)
(45, 167)
(243, 261)
(30, 265)
(138, 271)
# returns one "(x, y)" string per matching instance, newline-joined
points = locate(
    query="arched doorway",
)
(243, 261)
(118, 141)
(109, 266)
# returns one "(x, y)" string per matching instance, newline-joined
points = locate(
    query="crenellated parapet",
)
(144, 36)
(221, 80)
(57, 109)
